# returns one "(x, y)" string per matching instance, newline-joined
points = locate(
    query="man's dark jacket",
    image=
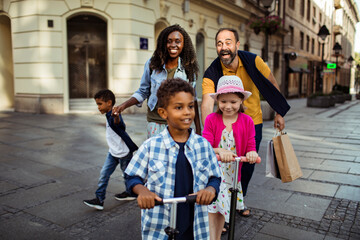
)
(266, 88)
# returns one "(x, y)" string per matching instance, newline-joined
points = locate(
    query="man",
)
(257, 78)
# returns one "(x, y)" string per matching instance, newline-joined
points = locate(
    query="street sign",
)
(331, 66)
(144, 43)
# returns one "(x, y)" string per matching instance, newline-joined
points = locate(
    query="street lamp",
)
(350, 60)
(267, 4)
(323, 33)
(337, 49)
(357, 79)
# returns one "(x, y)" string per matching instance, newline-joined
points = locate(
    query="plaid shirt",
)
(155, 162)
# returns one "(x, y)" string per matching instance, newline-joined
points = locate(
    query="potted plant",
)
(320, 100)
(269, 24)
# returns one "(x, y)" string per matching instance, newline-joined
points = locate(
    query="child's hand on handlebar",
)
(205, 196)
(226, 156)
(145, 199)
(251, 157)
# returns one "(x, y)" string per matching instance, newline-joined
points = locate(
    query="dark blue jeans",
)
(247, 169)
(110, 164)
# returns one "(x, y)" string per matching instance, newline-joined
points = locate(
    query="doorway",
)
(87, 55)
(6, 65)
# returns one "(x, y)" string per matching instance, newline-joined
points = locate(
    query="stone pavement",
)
(50, 163)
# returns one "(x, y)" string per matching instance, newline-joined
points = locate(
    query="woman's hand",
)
(118, 109)
(128, 103)
(251, 157)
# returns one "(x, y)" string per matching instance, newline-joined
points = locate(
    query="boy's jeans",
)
(109, 167)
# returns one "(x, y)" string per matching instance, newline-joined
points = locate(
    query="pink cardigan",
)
(243, 130)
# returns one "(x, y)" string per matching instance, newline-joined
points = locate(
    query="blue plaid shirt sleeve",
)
(155, 164)
(138, 165)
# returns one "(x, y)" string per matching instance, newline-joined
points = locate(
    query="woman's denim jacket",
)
(149, 85)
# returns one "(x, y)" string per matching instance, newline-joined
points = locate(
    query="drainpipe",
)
(283, 60)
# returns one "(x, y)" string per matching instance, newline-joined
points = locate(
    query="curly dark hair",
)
(188, 55)
(169, 88)
(105, 95)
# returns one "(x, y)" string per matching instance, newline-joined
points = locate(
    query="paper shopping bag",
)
(286, 159)
(272, 169)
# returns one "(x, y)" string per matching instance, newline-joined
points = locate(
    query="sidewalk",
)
(50, 163)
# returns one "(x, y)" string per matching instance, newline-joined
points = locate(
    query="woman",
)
(174, 57)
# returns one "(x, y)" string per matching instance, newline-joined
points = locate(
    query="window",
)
(312, 46)
(246, 47)
(320, 17)
(276, 60)
(292, 4)
(308, 10)
(291, 32)
(314, 11)
(307, 43)
(301, 40)
(302, 8)
(319, 48)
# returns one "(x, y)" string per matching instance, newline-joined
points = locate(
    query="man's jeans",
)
(247, 169)
(106, 171)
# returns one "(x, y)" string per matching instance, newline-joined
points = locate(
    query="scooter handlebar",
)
(186, 199)
(242, 159)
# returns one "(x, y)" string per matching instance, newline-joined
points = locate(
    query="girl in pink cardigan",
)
(231, 133)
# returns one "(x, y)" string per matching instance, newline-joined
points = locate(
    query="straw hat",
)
(230, 84)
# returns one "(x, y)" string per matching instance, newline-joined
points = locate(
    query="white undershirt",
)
(117, 146)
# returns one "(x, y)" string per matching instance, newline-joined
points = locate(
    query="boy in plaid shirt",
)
(175, 163)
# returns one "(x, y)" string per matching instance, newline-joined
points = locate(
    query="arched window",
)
(246, 47)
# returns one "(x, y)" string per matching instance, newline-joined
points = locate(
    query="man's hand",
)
(145, 199)
(279, 122)
(205, 196)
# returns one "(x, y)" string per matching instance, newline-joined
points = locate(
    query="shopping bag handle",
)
(279, 132)
(242, 159)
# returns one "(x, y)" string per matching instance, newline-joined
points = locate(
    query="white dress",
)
(222, 204)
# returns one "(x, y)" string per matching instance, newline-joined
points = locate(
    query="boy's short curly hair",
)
(169, 88)
(105, 95)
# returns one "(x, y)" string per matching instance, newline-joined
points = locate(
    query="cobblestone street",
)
(50, 163)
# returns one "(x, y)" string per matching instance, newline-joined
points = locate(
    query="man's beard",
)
(227, 61)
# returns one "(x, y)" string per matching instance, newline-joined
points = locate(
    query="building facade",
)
(55, 54)
(309, 73)
(58, 53)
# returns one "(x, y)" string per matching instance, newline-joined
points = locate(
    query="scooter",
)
(171, 230)
(234, 190)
